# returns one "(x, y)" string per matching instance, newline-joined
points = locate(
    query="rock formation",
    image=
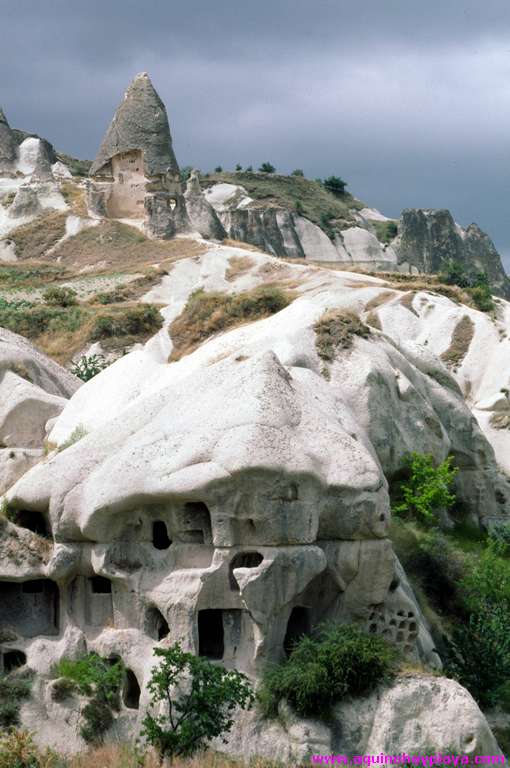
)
(428, 239)
(8, 146)
(135, 174)
(202, 215)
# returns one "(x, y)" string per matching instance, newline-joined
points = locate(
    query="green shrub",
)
(14, 689)
(60, 296)
(143, 319)
(218, 169)
(335, 330)
(239, 167)
(428, 490)
(341, 660)
(297, 172)
(267, 168)
(479, 653)
(335, 185)
(17, 750)
(36, 320)
(88, 366)
(501, 533)
(204, 707)
(482, 298)
(99, 679)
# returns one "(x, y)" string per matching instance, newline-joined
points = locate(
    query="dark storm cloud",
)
(409, 101)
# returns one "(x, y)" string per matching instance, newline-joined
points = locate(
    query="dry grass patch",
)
(33, 240)
(335, 330)
(112, 244)
(432, 285)
(407, 302)
(76, 198)
(374, 321)
(240, 244)
(122, 756)
(379, 300)
(459, 345)
(206, 314)
(238, 265)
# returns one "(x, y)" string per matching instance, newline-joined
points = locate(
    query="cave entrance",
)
(297, 626)
(131, 690)
(196, 523)
(156, 625)
(32, 520)
(100, 586)
(30, 608)
(211, 641)
(160, 538)
(243, 560)
(13, 660)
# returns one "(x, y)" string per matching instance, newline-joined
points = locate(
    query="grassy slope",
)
(310, 197)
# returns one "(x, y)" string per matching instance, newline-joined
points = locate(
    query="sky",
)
(407, 100)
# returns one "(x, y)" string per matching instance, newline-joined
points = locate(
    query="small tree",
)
(239, 167)
(267, 168)
(88, 366)
(297, 172)
(218, 169)
(249, 169)
(200, 699)
(60, 296)
(428, 490)
(336, 185)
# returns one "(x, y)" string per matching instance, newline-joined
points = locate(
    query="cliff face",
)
(428, 239)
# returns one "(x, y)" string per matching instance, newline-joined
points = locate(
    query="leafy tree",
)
(297, 172)
(249, 169)
(218, 169)
(267, 168)
(239, 167)
(336, 185)
(341, 660)
(88, 366)
(428, 490)
(99, 679)
(454, 273)
(200, 699)
(186, 173)
(299, 206)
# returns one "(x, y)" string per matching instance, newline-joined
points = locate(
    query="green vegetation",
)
(17, 750)
(77, 167)
(339, 661)
(77, 434)
(336, 330)
(271, 189)
(142, 319)
(208, 313)
(100, 680)
(15, 687)
(88, 366)
(60, 296)
(335, 185)
(267, 168)
(203, 710)
(386, 231)
(297, 172)
(427, 490)
(475, 283)
(32, 321)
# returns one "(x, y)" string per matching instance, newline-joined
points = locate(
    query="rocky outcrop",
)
(202, 215)
(33, 391)
(135, 174)
(428, 239)
(8, 146)
(140, 123)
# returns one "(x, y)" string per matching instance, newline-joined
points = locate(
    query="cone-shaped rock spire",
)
(8, 146)
(140, 123)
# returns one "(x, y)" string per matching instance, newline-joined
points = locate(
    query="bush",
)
(88, 366)
(335, 185)
(208, 313)
(239, 167)
(267, 168)
(34, 321)
(218, 169)
(297, 172)
(17, 750)
(99, 679)
(143, 319)
(428, 490)
(479, 653)
(335, 330)
(203, 710)
(340, 661)
(60, 296)
(500, 533)
(482, 298)
(14, 689)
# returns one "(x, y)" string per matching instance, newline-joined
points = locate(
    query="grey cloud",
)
(409, 101)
